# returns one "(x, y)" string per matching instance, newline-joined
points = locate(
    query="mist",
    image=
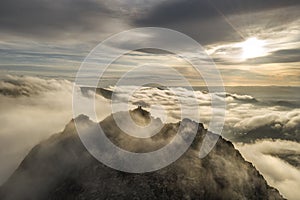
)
(32, 109)
(35, 108)
(278, 172)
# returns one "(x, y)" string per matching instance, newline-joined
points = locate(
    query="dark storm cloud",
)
(202, 19)
(45, 16)
(180, 10)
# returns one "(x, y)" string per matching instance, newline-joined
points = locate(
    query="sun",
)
(252, 48)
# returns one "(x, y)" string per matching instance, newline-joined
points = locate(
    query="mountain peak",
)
(141, 111)
(62, 168)
(140, 116)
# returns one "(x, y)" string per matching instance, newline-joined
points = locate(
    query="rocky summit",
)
(61, 168)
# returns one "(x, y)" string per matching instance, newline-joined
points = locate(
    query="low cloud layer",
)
(247, 118)
(278, 172)
(34, 108)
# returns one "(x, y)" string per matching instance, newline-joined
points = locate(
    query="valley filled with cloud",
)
(265, 132)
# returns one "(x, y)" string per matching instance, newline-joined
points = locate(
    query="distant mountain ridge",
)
(61, 168)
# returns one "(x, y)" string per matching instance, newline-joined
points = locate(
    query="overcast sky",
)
(252, 42)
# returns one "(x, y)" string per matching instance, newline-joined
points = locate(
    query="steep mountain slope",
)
(61, 168)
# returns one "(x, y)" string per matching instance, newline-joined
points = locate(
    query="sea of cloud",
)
(244, 113)
(279, 173)
(33, 108)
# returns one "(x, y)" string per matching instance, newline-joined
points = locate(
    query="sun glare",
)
(252, 47)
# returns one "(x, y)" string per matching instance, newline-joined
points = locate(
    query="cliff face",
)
(61, 168)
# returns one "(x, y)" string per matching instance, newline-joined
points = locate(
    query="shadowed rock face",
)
(61, 168)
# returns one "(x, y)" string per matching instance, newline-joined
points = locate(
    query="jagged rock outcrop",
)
(61, 168)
